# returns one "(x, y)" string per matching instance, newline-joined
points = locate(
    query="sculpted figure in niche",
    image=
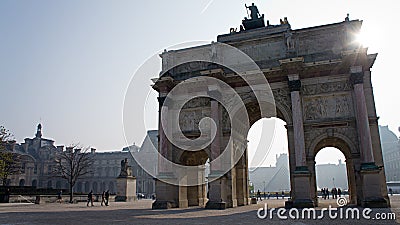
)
(289, 40)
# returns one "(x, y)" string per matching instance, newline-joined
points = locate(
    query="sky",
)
(68, 64)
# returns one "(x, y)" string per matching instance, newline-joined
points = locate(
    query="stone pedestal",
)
(217, 192)
(167, 195)
(126, 189)
(302, 193)
(371, 185)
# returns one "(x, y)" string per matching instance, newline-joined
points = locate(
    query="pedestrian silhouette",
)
(90, 198)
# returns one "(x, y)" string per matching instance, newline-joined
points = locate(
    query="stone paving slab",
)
(140, 213)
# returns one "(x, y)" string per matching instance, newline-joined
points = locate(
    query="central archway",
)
(268, 157)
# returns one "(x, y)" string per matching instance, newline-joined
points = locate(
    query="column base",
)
(289, 204)
(159, 204)
(183, 203)
(302, 203)
(372, 188)
(215, 205)
(375, 203)
(241, 201)
(201, 202)
(125, 198)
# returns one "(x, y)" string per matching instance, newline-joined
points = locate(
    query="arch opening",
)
(268, 158)
(333, 169)
(331, 174)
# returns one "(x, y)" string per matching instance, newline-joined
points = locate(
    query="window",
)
(35, 169)
(49, 184)
(23, 166)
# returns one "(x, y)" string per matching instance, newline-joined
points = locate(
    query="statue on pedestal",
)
(255, 20)
(126, 183)
(126, 170)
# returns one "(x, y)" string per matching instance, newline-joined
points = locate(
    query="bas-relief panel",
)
(197, 109)
(189, 119)
(197, 102)
(282, 97)
(314, 89)
(327, 100)
(329, 106)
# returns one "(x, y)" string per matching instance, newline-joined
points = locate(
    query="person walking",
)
(7, 196)
(334, 193)
(103, 198)
(59, 196)
(90, 198)
(258, 195)
(107, 196)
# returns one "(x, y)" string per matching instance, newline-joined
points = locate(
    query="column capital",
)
(356, 69)
(357, 78)
(214, 94)
(356, 75)
(163, 84)
(294, 85)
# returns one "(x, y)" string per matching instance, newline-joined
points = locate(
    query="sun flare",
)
(367, 38)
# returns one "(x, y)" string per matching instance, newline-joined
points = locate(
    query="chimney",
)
(92, 150)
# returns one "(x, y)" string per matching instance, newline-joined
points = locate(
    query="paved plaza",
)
(140, 212)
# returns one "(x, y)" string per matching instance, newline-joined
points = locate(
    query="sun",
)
(367, 38)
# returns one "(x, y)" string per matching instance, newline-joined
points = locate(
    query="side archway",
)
(343, 144)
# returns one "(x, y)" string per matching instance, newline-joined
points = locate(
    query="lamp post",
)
(264, 188)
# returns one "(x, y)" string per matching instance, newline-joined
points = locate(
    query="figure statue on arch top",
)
(254, 20)
(254, 13)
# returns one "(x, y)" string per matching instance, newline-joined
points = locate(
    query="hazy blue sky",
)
(68, 63)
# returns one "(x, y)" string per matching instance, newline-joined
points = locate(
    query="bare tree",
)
(72, 164)
(9, 161)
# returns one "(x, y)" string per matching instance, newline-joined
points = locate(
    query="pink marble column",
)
(163, 143)
(216, 143)
(364, 132)
(297, 114)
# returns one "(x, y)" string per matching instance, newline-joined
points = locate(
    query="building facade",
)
(37, 163)
(273, 178)
(391, 153)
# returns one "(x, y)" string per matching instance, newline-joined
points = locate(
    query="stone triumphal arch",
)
(320, 79)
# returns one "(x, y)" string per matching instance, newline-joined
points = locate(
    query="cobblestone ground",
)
(140, 213)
